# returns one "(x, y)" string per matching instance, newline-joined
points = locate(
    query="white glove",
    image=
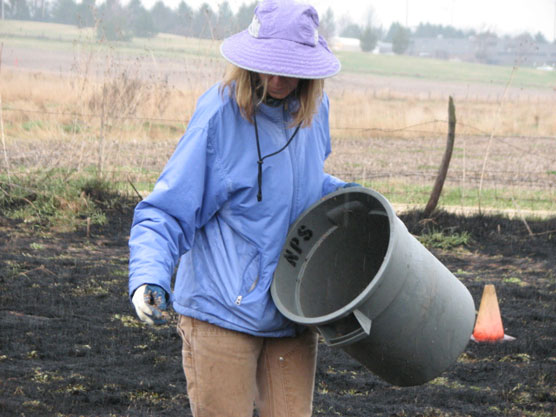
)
(150, 301)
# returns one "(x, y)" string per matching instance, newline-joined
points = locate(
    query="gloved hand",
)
(150, 301)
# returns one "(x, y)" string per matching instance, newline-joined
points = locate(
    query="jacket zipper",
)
(294, 173)
(239, 298)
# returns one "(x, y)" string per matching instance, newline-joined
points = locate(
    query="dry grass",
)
(139, 100)
(45, 106)
(409, 117)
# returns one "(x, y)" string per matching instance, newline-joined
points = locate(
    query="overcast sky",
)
(501, 16)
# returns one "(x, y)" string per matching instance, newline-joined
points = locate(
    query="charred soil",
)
(70, 344)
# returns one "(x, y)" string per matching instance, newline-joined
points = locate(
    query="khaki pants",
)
(227, 372)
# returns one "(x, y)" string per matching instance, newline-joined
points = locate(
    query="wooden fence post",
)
(441, 177)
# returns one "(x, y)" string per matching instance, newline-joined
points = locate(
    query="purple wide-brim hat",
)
(282, 40)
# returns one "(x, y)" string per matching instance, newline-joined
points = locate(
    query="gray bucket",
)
(351, 269)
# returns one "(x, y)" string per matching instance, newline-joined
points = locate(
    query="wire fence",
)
(408, 129)
(519, 175)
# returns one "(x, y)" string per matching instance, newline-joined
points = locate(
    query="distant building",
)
(383, 48)
(525, 52)
(339, 43)
(484, 47)
(488, 49)
(442, 48)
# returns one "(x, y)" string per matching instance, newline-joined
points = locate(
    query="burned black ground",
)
(70, 344)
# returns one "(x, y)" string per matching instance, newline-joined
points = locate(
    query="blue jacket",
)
(204, 212)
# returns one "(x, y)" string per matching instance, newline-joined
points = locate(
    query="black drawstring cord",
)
(262, 158)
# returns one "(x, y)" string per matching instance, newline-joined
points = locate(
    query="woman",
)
(249, 164)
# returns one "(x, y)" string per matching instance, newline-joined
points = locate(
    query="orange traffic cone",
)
(488, 327)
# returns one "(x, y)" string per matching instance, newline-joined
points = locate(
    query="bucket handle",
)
(332, 338)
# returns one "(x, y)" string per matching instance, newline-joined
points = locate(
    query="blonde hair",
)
(238, 80)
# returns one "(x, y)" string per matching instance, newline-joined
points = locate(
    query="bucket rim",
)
(369, 289)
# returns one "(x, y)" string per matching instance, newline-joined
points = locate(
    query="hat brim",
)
(279, 57)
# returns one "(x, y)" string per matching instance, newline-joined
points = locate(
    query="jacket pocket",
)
(250, 277)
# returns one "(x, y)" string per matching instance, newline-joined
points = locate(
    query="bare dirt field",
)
(71, 345)
(511, 161)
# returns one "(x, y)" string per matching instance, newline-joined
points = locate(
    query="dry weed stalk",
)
(6, 160)
(2, 121)
(120, 100)
(493, 130)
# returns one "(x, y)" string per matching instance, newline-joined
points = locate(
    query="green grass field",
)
(498, 199)
(442, 70)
